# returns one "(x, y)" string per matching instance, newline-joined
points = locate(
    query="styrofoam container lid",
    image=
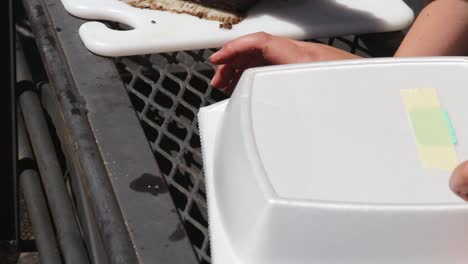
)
(339, 162)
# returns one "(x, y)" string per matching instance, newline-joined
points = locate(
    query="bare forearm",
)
(441, 29)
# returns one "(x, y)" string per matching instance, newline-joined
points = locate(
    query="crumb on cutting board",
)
(226, 18)
(226, 25)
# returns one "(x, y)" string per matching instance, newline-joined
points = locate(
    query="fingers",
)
(234, 57)
(240, 46)
(233, 83)
(459, 180)
(224, 73)
(260, 49)
(227, 72)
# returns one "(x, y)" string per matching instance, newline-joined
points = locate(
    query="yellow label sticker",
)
(420, 98)
(432, 130)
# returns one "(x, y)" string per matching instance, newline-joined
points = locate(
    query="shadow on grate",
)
(167, 90)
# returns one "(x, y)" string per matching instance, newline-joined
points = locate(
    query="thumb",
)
(459, 180)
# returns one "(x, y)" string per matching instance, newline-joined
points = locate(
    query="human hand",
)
(261, 49)
(459, 180)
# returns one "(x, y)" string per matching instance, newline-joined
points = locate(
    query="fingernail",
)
(215, 87)
(214, 55)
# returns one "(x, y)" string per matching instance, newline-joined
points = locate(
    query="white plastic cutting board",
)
(158, 31)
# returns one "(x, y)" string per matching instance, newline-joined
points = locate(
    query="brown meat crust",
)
(217, 11)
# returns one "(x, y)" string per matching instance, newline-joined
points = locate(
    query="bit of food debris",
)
(153, 22)
(227, 19)
(226, 25)
(235, 6)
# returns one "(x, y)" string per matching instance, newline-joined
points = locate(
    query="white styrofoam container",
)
(317, 163)
(158, 31)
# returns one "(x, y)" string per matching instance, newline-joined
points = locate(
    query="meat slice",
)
(228, 12)
(236, 6)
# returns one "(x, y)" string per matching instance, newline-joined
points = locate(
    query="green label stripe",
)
(432, 127)
(450, 127)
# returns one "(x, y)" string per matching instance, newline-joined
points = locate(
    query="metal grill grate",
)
(167, 90)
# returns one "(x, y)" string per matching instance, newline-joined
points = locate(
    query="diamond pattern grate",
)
(166, 91)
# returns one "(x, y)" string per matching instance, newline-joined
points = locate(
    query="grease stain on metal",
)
(78, 103)
(51, 40)
(149, 183)
(76, 111)
(39, 10)
(178, 234)
(71, 96)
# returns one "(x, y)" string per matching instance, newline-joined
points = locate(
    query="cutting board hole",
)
(117, 26)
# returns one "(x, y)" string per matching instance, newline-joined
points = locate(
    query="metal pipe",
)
(23, 31)
(110, 221)
(34, 197)
(68, 232)
(41, 224)
(22, 70)
(96, 249)
(90, 229)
